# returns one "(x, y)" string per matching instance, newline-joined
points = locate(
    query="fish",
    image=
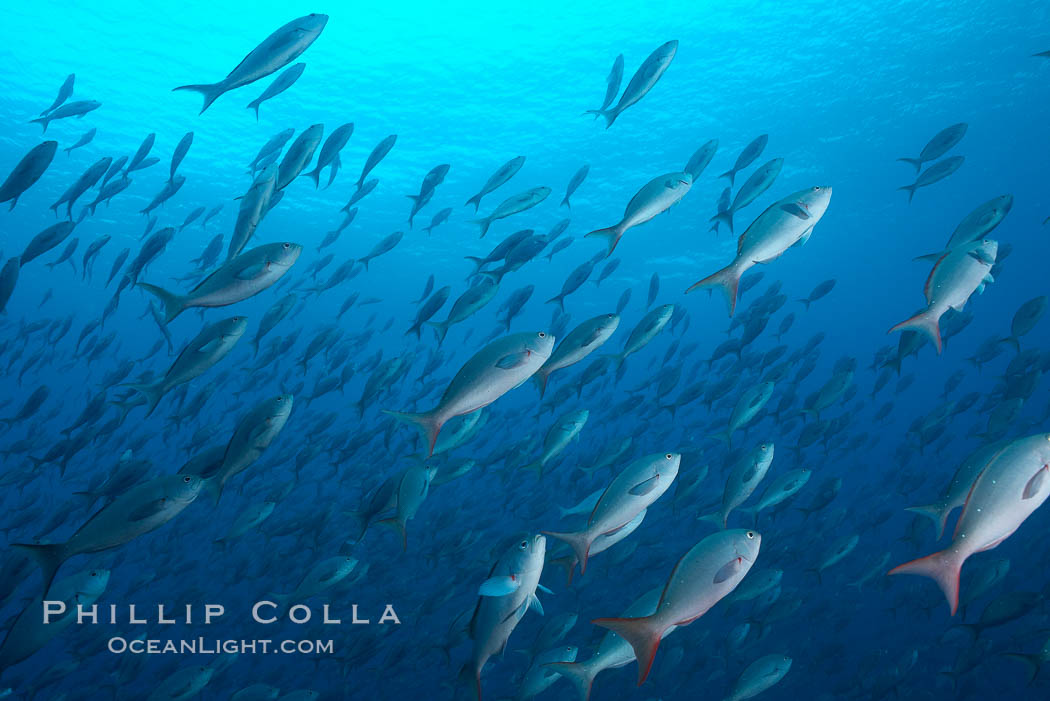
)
(612, 85)
(209, 347)
(329, 155)
(935, 173)
(577, 345)
(785, 223)
(256, 430)
(82, 141)
(45, 241)
(378, 153)
(941, 143)
(143, 508)
(643, 80)
(574, 183)
(70, 109)
(748, 156)
(238, 279)
(386, 245)
(27, 172)
(655, 197)
(513, 205)
(29, 632)
(646, 330)
(699, 161)
(274, 53)
(760, 675)
(750, 403)
(759, 181)
(505, 595)
(490, 373)
(819, 292)
(254, 205)
(956, 276)
(565, 430)
(707, 573)
(278, 86)
(181, 149)
(9, 280)
(82, 184)
(1024, 320)
(632, 491)
(1011, 486)
(504, 173)
(64, 91)
(411, 491)
(976, 225)
(746, 475)
(298, 155)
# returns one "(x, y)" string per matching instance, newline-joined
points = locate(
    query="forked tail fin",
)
(943, 568)
(925, 323)
(579, 543)
(643, 636)
(577, 673)
(428, 425)
(210, 91)
(728, 279)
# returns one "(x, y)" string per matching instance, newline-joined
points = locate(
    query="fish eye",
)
(186, 479)
(94, 574)
(542, 335)
(816, 188)
(668, 456)
(524, 544)
(750, 535)
(286, 246)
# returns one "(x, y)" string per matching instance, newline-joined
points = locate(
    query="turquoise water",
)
(842, 92)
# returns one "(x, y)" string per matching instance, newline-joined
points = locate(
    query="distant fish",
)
(976, 225)
(438, 219)
(434, 177)
(574, 183)
(272, 146)
(8, 280)
(489, 374)
(644, 79)
(181, 149)
(298, 155)
(612, 86)
(253, 208)
(941, 143)
(274, 53)
(699, 161)
(504, 173)
(46, 240)
(330, 153)
(378, 153)
(27, 171)
(384, 246)
(819, 292)
(759, 676)
(141, 153)
(514, 205)
(655, 197)
(786, 223)
(64, 91)
(82, 141)
(82, 184)
(759, 181)
(935, 173)
(278, 86)
(70, 109)
(748, 156)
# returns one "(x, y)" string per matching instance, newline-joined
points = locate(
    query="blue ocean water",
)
(841, 91)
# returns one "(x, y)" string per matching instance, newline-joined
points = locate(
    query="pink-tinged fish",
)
(656, 197)
(959, 488)
(1011, 487)
(707, 573)
(613, 651)
(784, 224)
(493, 371)
(632, 491)
(958, 274)
(506, 595)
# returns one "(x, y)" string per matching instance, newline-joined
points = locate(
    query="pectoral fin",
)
(250, 271)
(795, 210)
(643, 488)
(500, 585)
(513, 360)
(729, 570)
(148, 510)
